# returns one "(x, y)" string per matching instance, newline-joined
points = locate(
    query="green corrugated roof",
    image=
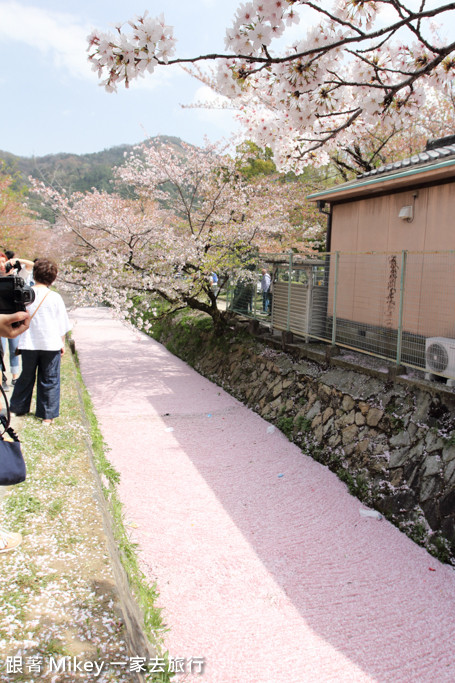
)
(443, 157)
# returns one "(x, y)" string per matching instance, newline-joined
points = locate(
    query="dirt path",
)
(265, 567)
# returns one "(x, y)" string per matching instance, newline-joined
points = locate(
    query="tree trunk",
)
(220, 318)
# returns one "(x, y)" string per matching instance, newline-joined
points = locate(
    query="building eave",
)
(402, 179)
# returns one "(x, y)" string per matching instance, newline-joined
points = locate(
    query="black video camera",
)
(15, 295)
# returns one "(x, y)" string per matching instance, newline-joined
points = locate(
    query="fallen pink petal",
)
(266, 582)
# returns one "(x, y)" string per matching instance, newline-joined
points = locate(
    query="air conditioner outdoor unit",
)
(440, 358)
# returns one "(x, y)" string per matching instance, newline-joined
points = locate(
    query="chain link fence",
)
(397, 306)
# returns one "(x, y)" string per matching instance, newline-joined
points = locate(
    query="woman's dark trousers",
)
(44, 366)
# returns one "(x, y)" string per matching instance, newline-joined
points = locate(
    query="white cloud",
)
(204, 94)
(215, 110)
(162, 77)
(58, 35)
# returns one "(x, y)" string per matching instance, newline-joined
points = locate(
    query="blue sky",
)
(51, 100)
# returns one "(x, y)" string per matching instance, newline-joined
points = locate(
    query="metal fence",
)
(397, 306)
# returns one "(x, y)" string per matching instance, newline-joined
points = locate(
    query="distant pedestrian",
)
(41, 347)
(266, 282)
(214, 283)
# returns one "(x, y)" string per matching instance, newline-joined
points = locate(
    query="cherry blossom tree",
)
(391, 141)
(357, 62)
(189, 213)
(304, 227)
(18, 229)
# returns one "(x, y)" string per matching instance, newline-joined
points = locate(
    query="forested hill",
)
(75, 172)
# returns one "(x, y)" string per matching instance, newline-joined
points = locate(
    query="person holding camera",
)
(13, 324)
(9, 265)
(41, 347)
(12, 265)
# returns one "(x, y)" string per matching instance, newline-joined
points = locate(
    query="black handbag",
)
(12, 463)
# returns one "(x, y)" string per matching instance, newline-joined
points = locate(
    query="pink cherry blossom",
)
(357, 62)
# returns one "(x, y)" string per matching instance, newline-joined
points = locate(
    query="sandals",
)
(9, 540)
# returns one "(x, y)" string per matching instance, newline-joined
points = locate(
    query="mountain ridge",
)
(75, 172)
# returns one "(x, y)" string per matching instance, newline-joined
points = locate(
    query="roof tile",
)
(428, 156)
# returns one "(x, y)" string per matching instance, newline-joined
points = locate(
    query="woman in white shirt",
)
(41, 347)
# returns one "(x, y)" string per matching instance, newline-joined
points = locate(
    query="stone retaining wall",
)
(391, 439)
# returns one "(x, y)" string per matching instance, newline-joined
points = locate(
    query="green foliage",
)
(15, 188)
(356, 482)
(439, 547)
(286, 425)
(158, 310)
(15, 218)
(418, 532)
(72, 172)
(187, 331)
(22, 505)
(254, 161)
(290, 425)
(302, 424)
(450, 440)
(203, 323)
(396, 423)
(55, 508)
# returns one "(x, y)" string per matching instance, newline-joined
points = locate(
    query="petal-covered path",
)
(264, 565)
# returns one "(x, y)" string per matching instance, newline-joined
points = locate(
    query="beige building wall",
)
(369, 285)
